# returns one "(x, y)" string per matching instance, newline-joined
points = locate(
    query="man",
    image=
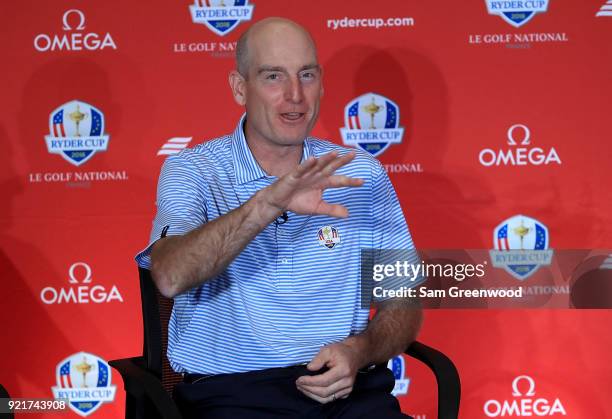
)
(262, 260)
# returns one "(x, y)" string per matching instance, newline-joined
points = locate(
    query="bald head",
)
(265, 32)
(279, 82)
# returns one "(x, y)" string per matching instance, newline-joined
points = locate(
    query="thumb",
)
(318, 361)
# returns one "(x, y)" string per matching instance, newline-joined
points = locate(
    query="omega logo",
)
(81, 25)
(79, 275)
(524, 403)
(73, 41)
(520, 153)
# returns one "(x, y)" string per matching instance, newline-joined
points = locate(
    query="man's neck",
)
(275, 160)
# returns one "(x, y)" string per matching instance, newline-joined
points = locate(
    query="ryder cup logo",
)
(76, 132)
(397, 365)
(521, 246)
(371, 123)
(516, 12)
(85, 380)
(606, 9)
(221, 18)
(328, 236)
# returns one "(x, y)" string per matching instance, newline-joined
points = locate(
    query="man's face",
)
(283, 86)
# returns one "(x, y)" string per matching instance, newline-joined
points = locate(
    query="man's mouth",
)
(292, 116)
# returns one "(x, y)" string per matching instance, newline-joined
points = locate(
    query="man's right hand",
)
(179, 263)
(301, 190)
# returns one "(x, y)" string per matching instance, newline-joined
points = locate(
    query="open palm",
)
(301, 190)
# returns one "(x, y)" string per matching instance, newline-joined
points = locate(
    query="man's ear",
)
(237, 84)
(322, 89)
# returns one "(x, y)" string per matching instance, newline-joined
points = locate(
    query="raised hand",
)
(301, 190)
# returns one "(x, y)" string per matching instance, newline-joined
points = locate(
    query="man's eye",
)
(272, 76)
(308, 75)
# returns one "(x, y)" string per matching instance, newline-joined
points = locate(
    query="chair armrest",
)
(139, 383)
(447, 378)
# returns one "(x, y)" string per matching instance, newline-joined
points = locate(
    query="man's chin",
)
(293, 137)
(300, 132)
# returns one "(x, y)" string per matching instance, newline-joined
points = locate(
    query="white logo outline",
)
(81, 24)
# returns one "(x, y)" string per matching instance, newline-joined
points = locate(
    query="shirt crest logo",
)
(371, 123)
(328, 236)
(521, 246)
(219, 17)
(76, 132)
(85, 380)
(516, 13)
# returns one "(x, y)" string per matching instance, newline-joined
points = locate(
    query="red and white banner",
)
(482, 112)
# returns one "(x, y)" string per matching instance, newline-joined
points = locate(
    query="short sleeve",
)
(392, 241)
(181, 205)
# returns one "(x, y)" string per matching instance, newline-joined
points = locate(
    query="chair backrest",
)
(156, 311)
(5, 395)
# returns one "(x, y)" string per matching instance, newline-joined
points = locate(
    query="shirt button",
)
(285, 261)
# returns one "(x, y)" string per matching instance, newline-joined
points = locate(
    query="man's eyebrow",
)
(311, 67)
(265, 68)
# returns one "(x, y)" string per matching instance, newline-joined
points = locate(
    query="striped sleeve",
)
(392, 241)
(181, 206)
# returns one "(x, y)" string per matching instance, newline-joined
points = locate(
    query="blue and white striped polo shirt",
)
(287, 294)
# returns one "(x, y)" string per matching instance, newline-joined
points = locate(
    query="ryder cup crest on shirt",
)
(85, 381)
(397, 365)
(371, 122)
(221, 16)
(516, 12)
(521, 246)
(328, 236)
(76, 132)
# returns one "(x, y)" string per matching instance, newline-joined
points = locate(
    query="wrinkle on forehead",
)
(268, 36)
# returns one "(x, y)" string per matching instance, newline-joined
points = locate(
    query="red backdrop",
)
(461, 78)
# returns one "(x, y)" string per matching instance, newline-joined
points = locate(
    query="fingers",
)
(320, 380)
(333, 384)
(323, 163)
(301, 190)
(326, 165)
(335, 387)
(333, 210)
(324, 386)
(318, 361)
(303, 168)
(341, 181)
(340, 394)
(336, 163)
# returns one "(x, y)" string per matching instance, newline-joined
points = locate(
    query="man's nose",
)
(294, 91)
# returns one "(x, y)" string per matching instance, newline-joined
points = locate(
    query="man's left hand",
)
(343, 361)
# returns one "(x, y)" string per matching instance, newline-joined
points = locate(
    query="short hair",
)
(242, 52)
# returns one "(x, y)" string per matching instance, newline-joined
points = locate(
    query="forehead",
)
(282, 45)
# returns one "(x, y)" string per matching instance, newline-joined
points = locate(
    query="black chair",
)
(5, 395)
(149, 379)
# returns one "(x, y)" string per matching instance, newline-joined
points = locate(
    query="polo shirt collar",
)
(246, 167)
